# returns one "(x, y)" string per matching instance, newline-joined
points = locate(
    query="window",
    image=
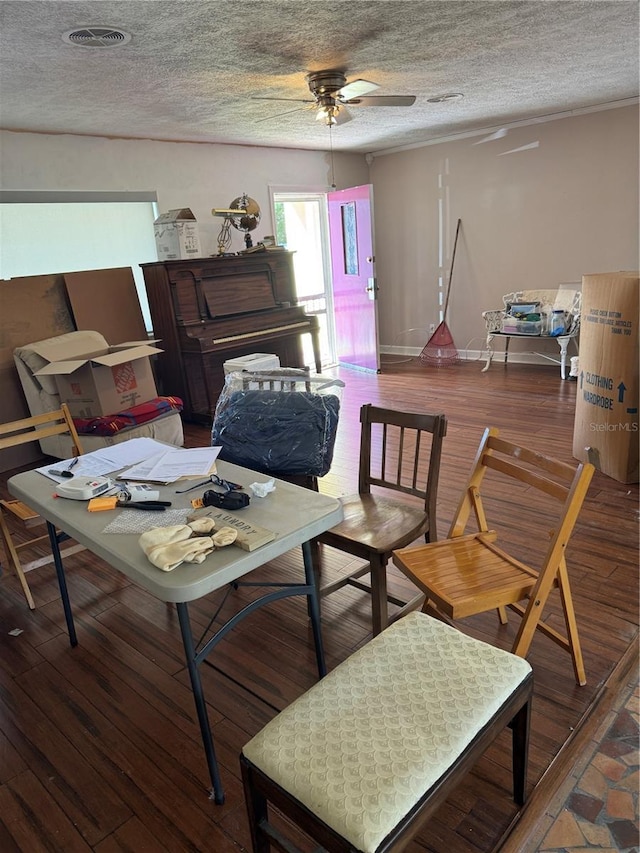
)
(53, 232)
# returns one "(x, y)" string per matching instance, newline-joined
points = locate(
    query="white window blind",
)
(42, 234)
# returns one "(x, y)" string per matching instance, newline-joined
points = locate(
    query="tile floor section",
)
(598, 807)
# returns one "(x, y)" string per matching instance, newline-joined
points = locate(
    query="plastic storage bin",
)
(511, 326)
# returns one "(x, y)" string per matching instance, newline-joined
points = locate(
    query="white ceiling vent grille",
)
(96, 37)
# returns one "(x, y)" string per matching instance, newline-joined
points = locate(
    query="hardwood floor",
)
(99, 746)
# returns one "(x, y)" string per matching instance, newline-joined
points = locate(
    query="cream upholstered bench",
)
(363, 758)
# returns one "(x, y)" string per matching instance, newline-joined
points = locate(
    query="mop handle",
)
(453, 258)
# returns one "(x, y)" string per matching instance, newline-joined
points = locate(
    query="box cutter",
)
(112, 502)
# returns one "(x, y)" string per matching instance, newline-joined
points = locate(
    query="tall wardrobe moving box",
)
(606, 422)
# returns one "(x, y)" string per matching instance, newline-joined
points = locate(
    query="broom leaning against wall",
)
(440, 350)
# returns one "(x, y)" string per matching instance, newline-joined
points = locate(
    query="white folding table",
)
(296, 515)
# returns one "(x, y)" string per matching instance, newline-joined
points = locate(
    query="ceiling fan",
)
(332, 94)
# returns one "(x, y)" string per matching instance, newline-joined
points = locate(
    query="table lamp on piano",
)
(244, 214)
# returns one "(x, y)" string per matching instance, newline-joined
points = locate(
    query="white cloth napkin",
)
(168, 547)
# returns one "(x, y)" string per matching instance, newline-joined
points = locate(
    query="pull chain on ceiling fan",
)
(333, 175)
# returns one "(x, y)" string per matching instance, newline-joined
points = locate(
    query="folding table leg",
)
(62, 583)
(201, 708)
(314, 606)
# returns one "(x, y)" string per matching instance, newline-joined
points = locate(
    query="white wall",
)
(546, 214)
(199, 176)
(533, 218)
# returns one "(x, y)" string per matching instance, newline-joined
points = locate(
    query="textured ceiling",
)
(192, 67)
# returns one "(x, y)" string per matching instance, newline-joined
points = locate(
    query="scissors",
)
(218, 481)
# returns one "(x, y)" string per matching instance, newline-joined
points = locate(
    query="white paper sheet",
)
(174, 464)
(106, 460)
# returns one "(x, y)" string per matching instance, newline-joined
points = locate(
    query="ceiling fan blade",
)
(383, 101)
(286, 113)
(356, 88)
(297, 100)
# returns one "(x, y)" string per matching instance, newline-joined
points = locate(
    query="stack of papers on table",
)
(171, 465)
(142, 459)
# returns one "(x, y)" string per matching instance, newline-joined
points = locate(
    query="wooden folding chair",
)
(400, 456)
(466, 574)
(13, 434)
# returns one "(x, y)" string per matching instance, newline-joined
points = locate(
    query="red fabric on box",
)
(111, 424)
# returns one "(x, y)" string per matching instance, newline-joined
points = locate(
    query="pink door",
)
(353, 272)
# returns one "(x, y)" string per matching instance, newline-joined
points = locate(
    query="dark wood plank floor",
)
(99, 745)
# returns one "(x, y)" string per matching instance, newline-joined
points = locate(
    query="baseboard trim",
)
(523, 357)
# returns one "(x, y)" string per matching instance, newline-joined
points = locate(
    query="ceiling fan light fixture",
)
(328, 114)
(448, 96)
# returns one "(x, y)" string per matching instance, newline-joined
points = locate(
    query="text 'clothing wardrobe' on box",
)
(606, 426)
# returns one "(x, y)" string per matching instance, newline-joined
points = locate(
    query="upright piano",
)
(208, 310)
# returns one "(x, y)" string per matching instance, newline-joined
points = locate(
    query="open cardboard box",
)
(102, 382)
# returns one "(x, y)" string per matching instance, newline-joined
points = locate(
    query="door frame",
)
(282, 194)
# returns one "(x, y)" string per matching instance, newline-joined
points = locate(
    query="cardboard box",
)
(32, 307)
(104, 382)
(106, 301)
(606, 420)
(176, 233)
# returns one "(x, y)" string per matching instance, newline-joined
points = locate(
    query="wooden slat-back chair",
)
(467, 574)
(402, 461)
(13, 434)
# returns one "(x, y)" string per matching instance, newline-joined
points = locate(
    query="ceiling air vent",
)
(96, 37)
